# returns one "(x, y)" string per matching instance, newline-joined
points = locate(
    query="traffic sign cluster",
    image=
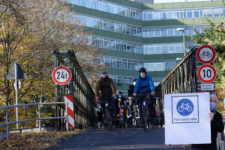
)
(62, 76)
(206, 72)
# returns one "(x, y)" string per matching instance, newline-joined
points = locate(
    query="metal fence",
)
(39, 118)
(85, 110)
(182, 78)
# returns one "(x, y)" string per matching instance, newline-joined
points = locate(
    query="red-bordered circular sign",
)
(61, 75)
(207, 73)
(206, 54)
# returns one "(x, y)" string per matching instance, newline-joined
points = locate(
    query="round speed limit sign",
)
(61, 75)
(207, 73)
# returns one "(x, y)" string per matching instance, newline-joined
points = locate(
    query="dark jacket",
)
(106, 86)
(216, 126)
(130, 90)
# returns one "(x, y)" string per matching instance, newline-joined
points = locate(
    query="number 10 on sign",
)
(61, 75)
(207, 73)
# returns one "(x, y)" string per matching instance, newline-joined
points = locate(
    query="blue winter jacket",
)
(144, 85)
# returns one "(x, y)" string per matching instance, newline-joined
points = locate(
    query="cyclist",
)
(120, 103)
(144, 86)
(107, 89)
(130, 103)
(131, 89)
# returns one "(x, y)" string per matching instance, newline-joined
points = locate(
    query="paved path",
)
(123, 139)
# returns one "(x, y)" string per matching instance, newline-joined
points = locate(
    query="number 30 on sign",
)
(207, 73)
(61, 75)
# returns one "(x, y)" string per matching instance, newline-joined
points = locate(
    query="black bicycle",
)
(121, 116)
(108, 113)
(145, 114)
(146, 109)
(136, 116)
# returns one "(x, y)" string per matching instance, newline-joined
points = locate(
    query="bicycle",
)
(135, 113)
(121, 116)
(143, 99)
(108, 113)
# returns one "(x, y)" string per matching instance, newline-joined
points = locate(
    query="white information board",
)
(187, 118)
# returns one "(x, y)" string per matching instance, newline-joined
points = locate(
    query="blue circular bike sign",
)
(185, 107)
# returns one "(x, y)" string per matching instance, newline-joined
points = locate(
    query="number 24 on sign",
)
(61, 75)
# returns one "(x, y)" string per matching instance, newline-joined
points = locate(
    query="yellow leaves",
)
(43, 28)
(221, 95)
(34, 140)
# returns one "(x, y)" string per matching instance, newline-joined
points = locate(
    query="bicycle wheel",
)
(109, 118)
(110, 125)
(144, 117)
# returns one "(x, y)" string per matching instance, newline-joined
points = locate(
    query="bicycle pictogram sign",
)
(185, 107)
(206, 54)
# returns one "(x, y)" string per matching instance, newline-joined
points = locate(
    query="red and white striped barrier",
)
(69, 101)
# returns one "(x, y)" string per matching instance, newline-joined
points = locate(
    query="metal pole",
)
(184, 43)
(39, 115)
(7, 127)
(67, 117)
(17, 125)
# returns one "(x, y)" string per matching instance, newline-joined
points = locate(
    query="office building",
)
(144, 33)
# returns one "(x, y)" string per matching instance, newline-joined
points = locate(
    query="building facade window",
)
(151, 49)
(128, 64)
(117, 45)
(135, 30)
(148, 14)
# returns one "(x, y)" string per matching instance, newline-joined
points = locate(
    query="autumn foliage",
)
(215, 36)
(29, 31)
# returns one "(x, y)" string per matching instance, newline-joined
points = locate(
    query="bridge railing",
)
(85, 111)
(182, 78)
(39, 118)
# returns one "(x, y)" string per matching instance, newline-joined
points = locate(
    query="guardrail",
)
(7, 123)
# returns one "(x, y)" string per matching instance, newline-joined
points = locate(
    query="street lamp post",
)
(182, 30)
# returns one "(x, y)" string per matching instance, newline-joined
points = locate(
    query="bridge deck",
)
(124, 139)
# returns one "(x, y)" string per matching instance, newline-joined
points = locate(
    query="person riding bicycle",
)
(131, 101)
(144, 86)
(107, 90)
(131, 88)
(120, 103)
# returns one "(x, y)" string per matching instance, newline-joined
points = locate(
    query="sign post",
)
(62, 76)
(16, 73)
(17, 125)
(206, 72)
